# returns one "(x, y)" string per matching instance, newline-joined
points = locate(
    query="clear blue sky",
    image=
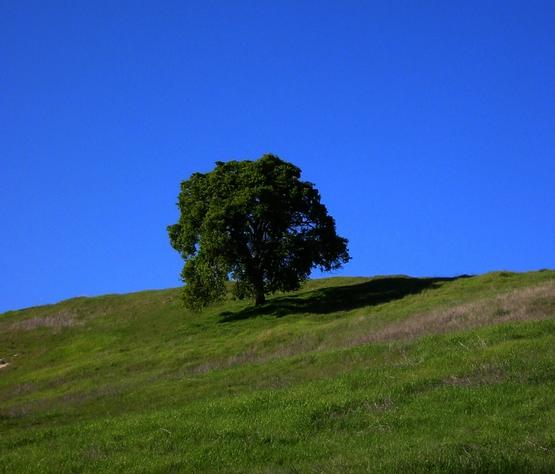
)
(428, 126)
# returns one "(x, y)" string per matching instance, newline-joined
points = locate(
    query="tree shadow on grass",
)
(340, 298)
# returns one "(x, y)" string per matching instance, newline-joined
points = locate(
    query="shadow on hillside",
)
(340, 298)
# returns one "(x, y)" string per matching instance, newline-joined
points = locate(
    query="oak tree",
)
(255, 223)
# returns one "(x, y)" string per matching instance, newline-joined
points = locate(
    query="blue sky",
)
(428, 126)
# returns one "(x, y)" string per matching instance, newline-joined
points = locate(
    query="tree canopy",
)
(256, 223)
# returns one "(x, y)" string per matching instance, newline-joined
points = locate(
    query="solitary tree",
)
(256, 223)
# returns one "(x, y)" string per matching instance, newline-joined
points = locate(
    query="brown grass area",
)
(69, 400)
(525, 304)
(484, 375)
(252, 355)
(57, 321)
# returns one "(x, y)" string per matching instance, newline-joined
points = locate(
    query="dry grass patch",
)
(57, 321)
(486, 374)
(63, 402)
(526, 304)
(255, 355)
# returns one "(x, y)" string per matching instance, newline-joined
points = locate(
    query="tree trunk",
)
(259, 297)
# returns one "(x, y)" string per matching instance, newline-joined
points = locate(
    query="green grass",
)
(390, 374)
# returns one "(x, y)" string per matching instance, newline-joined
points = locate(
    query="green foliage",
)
(129, 383)
(256, 222)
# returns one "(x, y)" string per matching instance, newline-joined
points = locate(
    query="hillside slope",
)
(390, 374)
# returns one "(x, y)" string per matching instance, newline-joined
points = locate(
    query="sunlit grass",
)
(347, 375)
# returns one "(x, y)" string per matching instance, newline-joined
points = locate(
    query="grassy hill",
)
(389, 374)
